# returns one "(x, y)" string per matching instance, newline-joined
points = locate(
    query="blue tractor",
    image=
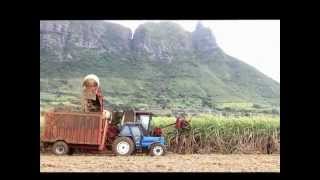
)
(135, 136)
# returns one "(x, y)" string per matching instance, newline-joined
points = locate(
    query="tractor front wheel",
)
(157, 150)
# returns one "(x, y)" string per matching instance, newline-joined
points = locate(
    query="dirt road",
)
(168, 163)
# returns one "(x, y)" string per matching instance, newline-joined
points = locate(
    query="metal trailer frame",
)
(77, 129)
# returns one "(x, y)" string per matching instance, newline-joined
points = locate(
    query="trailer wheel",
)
(60, 148)
(123, 146)
(157, 149)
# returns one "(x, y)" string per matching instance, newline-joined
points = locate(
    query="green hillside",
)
(159, 68)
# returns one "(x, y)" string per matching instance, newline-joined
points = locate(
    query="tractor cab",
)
(135, 136)
(141, 117)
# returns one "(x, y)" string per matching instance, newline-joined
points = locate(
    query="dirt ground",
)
(168, 163)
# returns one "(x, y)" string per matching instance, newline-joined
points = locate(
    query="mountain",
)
(159, 65)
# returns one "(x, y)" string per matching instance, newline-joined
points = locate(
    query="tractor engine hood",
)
(152, 139)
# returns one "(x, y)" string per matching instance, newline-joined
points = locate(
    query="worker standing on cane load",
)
(92, 99)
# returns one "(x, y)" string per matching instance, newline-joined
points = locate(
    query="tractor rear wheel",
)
(123, 146)
(157, 149)
(60, 148)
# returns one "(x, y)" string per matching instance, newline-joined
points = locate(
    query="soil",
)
(169, 163)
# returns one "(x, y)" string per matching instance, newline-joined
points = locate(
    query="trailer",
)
(65, 131)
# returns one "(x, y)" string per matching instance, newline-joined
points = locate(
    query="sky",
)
(255, 42)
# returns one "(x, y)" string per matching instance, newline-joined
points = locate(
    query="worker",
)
(181, 122)
(178, 122)
(92, 98)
